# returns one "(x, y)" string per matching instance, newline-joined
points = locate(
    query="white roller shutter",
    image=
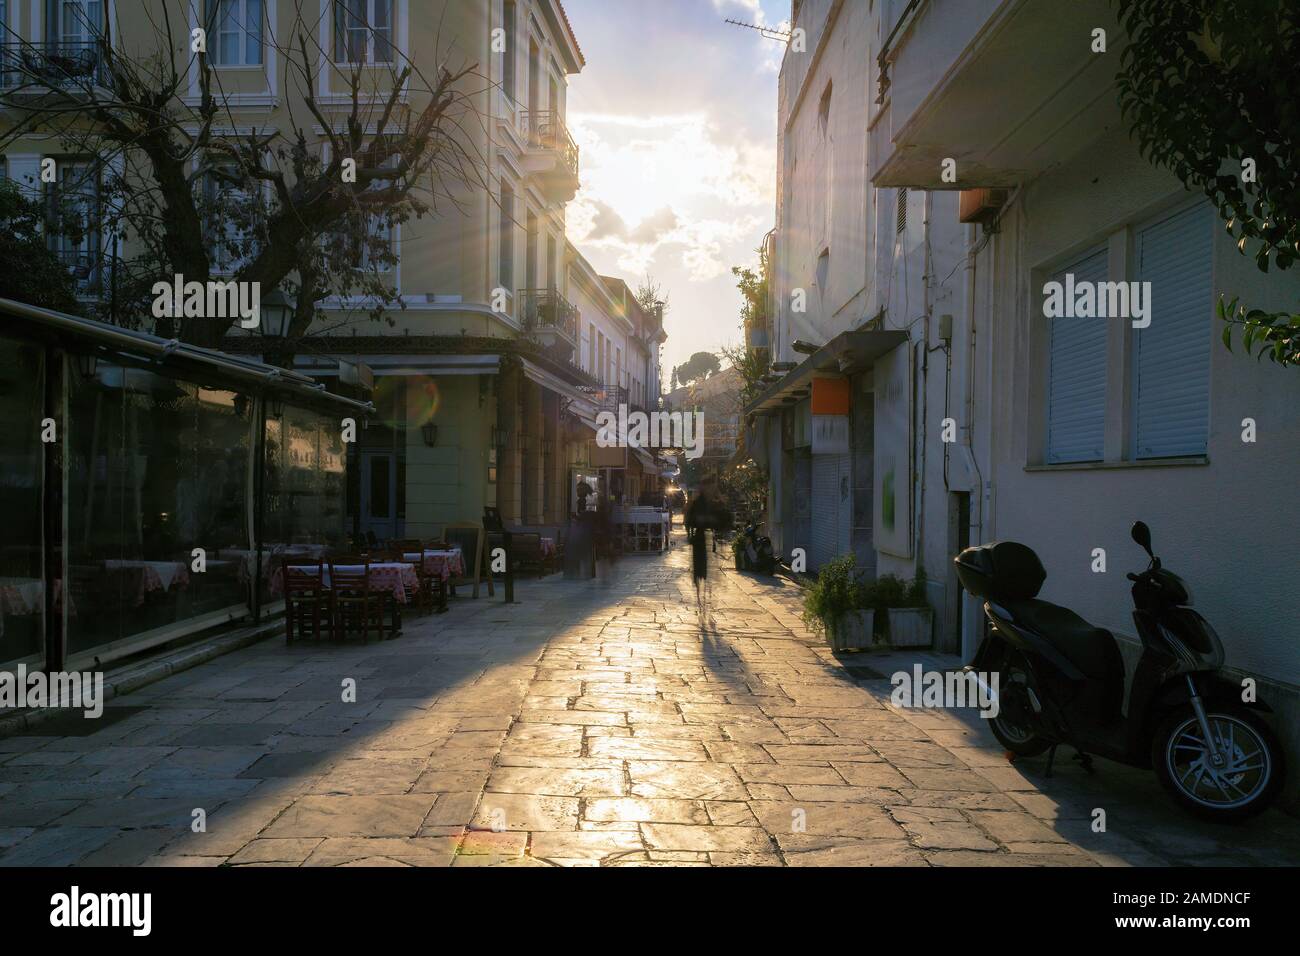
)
(1076, 391)
(1171, 366)
(831, 508)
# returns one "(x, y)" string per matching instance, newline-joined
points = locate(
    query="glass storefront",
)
(22, 592)
(158, 468)
(167, 476)
(306, 481)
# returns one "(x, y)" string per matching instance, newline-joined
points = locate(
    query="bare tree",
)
(306, 206)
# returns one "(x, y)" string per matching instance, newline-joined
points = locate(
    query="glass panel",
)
(383, 30)
(253, 32)
(156, 468)
(306, 490)
(22, 593)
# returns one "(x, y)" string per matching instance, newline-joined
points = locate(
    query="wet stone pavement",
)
(594, 723)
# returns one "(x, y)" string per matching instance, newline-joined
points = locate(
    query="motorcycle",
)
(1062, 681)
(756, 552)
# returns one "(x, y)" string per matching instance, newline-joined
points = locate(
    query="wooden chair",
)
(525, 549)
(469, 537)
(307, 601)
(357, 605)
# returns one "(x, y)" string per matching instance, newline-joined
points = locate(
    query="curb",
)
(150, 672)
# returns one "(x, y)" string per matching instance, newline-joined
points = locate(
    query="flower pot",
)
(740, 561)
(853, 631)
(910, 626)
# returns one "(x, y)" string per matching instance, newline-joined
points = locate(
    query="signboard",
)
(892, 486)
(830, 434)
(830, 396)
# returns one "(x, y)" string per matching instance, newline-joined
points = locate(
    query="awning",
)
(647, 461)
(172, 354)
(386, 365)
(558, 385)
(847, 352)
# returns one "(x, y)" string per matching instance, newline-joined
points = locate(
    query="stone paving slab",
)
(595, 723)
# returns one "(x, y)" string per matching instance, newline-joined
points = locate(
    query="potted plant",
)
(834, 605)
(738, 552)
(910, 617)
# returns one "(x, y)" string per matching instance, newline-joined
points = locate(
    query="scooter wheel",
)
(1016, 742)
(1247, 782)
(1017, 735)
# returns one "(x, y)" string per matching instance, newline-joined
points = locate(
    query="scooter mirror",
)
(1142, 535)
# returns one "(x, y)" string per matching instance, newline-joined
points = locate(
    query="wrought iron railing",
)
(54, 63)
(546, 309)
(84, 267)
(544, 129)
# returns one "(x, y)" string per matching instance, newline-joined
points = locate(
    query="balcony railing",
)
(611, 397)
(544, 129)
(60, 63)
(83, 266)
(545, 309)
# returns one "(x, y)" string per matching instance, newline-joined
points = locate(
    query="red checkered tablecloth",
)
(397, 577)
(441, 564)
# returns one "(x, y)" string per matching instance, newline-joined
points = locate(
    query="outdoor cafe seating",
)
(335, 596)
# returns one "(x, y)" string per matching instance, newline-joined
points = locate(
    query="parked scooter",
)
(1062, 681)
(756, 551)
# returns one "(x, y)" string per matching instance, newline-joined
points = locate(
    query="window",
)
(374, 252)
(229, 209)
(76, 22)
(591, 348)
(1076, 389)
(1171, 356)
(506, 263)
(73, 216)
(824, 111)
(363, 31)
(508, 57)
(235, 27)
(364, 237)
(900, 220)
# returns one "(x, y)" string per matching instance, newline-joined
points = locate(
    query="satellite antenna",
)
(767, 32)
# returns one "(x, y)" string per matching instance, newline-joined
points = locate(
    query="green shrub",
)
(888, 590)
(835, 592)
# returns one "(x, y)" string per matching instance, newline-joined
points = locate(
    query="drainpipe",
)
(969, 385)
(927, 210)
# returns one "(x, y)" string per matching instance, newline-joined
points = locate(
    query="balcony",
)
(36, 67)
(552, 156)
(955, 86)
(548, 317)
(84, 267)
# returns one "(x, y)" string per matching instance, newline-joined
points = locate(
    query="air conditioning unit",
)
(981, 205)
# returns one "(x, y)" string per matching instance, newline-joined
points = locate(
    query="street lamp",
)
(87, 364)
(276, 313)
(430, 433)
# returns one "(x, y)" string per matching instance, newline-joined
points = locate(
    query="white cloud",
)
(664, 185)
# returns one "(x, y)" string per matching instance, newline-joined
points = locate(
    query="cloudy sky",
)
(675, 117)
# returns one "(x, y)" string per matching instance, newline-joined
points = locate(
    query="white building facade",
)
(1078, 427)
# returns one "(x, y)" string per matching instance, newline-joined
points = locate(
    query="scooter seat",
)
(1091, 649)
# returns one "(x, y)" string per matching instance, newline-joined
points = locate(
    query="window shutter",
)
(1076, 394)
(1171, 388)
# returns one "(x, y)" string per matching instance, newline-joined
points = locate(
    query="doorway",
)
(379, 495)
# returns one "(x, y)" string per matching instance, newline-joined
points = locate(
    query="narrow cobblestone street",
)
(593, 723)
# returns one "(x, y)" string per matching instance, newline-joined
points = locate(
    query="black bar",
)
(56, 645)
